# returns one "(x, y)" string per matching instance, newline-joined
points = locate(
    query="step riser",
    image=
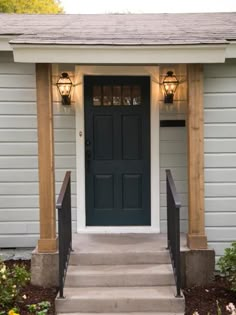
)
(119, 258)
(118, 280)
(119, 305)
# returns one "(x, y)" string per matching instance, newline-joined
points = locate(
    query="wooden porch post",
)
(196, 238)
(47, 242)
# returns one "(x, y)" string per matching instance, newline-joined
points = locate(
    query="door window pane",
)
(136, 95)
(107, 95)
(116, 95)
(127, 99)
(97, 95)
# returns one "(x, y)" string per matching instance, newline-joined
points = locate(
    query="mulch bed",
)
(203, 299)
(200, 299)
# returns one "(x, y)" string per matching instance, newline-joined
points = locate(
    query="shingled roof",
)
(120, 29)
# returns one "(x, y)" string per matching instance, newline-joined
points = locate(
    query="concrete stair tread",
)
(120, 251)
(120, 269)
(162, 292)
(119, 257)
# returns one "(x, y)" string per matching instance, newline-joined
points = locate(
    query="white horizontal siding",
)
(30, 214)
(19, 200)
(30, 135)
(173, 156)
(220, 175)
(220, 155)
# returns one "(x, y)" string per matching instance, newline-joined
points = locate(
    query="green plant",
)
(219, 312)
(227, 265)
(40, 308)
(11, 282)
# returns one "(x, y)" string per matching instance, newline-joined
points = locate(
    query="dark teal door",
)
(117, 150)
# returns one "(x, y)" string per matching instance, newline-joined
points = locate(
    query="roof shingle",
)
(120, 29)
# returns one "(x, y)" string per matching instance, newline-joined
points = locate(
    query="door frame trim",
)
(153, 73)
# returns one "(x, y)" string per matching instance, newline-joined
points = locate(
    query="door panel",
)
(103, 137)
(117, 146)
(103, 191)
(132, 191)
(131, 137)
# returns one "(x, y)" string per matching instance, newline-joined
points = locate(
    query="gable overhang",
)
(231, 50)
(98, 54)
(4, 43)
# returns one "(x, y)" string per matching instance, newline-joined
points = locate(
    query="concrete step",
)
(120, 258)
(120, 299)
(120, 275)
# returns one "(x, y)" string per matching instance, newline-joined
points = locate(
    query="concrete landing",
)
(117, 243)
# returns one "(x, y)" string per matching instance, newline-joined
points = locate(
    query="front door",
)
(117, 150)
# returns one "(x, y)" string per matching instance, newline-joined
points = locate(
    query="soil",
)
(204, 299)
(198, 299)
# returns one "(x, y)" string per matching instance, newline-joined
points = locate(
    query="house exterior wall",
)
(220, 154)
(19, 202)
(19, 211)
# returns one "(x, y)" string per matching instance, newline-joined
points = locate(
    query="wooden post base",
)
(196, 241)
(47, 245)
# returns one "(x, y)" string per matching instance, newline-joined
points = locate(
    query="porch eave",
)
(112, 55)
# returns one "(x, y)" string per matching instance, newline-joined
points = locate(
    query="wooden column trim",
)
(196, 238)
(47, 242)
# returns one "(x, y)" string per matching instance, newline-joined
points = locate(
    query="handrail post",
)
(173, 229)
(64, 230)
(60, 229)
(177, 263)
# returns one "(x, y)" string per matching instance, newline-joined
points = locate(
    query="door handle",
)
(88, 159)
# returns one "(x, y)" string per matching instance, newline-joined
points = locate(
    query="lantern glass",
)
(64, 85)
(170, 84)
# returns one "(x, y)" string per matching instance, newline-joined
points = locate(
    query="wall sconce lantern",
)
(170, 84)
(64, 85)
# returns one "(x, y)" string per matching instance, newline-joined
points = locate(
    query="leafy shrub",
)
(40, 308)
(11, 282)
(227, 265)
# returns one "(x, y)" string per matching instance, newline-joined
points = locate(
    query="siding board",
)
(24, 95)
(216, 175)
(17, 81)
(219, 85)
(219, 100)
(220, 204)
(220, 116)
(216, 219)
(220, 130)
(220, 145)
(220, 71)
(16, 68)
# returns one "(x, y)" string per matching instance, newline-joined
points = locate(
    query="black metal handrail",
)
(64, 229)
(173, 229)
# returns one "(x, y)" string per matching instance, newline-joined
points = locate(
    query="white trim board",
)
(117, 55)
(4, 43)
(153, 72)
